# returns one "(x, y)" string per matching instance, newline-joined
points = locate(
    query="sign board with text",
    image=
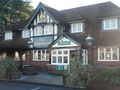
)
(42, 42)
(65, 42)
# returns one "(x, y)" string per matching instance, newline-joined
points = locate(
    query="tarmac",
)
(42, 78)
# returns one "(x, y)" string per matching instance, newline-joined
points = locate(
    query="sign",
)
(42, 41)
(64, 41)
(59, 67)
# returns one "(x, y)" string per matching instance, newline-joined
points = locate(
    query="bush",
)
(8, 68)
(79, 74)
(108, 74)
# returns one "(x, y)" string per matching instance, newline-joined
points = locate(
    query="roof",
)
(15, 26)
(18, 43)
(55, 13)
(89, 12)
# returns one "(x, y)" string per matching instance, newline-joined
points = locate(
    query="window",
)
(76, 27)
(110, 24)
(55, 29)
(48, 29)
(40, 55)
(25, 34)
(60, 57)
(38, 31)
(8, 35)
(108, 54)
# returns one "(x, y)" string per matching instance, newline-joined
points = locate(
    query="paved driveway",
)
(4, 85)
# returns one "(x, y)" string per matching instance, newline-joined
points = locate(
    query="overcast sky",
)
(66, 4)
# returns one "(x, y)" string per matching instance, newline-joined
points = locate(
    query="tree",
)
(14, 11)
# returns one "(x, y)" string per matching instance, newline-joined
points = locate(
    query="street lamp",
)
(30, 46)
(89, 41)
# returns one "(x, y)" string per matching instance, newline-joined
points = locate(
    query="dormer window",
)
(8, 35)
(77, 27)
(109, 24)
(25, 34)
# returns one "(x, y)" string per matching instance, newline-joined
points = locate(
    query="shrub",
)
(79, 74)
(8, 68)
(108, 74)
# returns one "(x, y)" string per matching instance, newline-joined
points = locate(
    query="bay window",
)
(108, 54)
(40, 55)
(60, 57)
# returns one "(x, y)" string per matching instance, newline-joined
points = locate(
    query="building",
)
(59, 37)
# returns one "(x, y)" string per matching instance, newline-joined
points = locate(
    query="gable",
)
(65, 42)
(41, 15)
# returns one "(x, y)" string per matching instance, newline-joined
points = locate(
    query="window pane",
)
(106, 24)
(47, 55)
(43, 55)
(80, 27)
(38, 31)
(65, 59)
(59, 59)
(113, 23)
(65, 52)
(54, 59)
(59, 52)
(54, 52)
(35, 55)
(101, 54)
(48, 30)
(39, 55)
(114, 54)
(108, 54)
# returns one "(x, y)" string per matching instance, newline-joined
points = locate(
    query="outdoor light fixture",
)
(89, 40)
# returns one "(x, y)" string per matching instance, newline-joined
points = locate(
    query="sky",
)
(66, 4)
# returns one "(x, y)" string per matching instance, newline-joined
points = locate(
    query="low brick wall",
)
(52, 69)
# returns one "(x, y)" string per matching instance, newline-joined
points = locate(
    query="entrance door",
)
(84, 57)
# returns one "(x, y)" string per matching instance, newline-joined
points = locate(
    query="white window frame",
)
(38, 31)
(8, 36)
(110, 52)
(61, 55)
(110, 23)
(42, 59)
(48, 29)
(25, 33)
(76, 29)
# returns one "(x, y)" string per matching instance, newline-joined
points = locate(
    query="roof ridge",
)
(87, 6)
